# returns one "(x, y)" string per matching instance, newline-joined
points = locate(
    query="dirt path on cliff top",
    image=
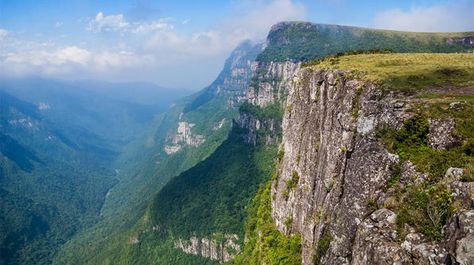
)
(451, 90)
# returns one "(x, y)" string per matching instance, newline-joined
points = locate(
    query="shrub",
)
(323, 246)
(426, 207)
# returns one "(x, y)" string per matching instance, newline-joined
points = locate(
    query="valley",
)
(322, 144)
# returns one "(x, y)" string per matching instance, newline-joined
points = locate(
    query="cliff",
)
(334, 184)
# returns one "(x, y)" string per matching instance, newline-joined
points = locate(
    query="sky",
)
(180, 44)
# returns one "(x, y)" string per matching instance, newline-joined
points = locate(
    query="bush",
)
(426, 207)
(323, 246)
(272, 111)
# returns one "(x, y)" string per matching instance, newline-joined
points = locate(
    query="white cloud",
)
(3, 33)
(70, 61)
(145, 27)
(105, 23)
(58, 24)
(251, 20)
(161, 50)
(457, 16)
(118, 23)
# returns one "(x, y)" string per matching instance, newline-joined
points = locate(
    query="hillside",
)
(51, 184)
(304, 41)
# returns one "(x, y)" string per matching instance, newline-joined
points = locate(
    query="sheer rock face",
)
(269, 86)
(270, 83)
(219, 250)
(328, 141)
(341, 169)
(231, 85)
(183, 137)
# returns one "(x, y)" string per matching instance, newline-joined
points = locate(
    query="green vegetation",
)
(291, 184)
(411, 143)
(145, 169)
(408, 72)
(468, 173)
(323, 246)
(212, 196)
(429, 205)
(272, 111)
(426, 207)
(53, 179)
(396, 175)
(265, 244)
(203, 190)
(301, 41)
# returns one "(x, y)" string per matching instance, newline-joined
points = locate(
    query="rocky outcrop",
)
(269, 86)
(220, 249)
(183, 137)
(270, 83)
(441, 134)
(377, 242)
(334, 170)
(328, 136)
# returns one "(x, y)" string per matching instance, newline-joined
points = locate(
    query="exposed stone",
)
(222, 250)
(43, 106)
(441, 134)
(271, 82)
(456, 106)
(329, 139)
(459, 234)
(463, 192)
(454, 173)
(184, 137)
(377, 242)
(340, 168)
(219, 125)
(409, 174)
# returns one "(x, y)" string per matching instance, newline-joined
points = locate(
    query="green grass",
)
(409, 71)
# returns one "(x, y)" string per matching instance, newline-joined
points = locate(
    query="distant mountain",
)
(305, 41)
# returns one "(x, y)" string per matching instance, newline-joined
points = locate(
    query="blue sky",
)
(180, 44)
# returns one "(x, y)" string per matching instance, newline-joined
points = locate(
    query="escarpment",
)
(263, 105)
(334, 182)
(330, 152)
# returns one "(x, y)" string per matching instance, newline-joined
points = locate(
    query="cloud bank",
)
(152, 50)
(455, 16)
